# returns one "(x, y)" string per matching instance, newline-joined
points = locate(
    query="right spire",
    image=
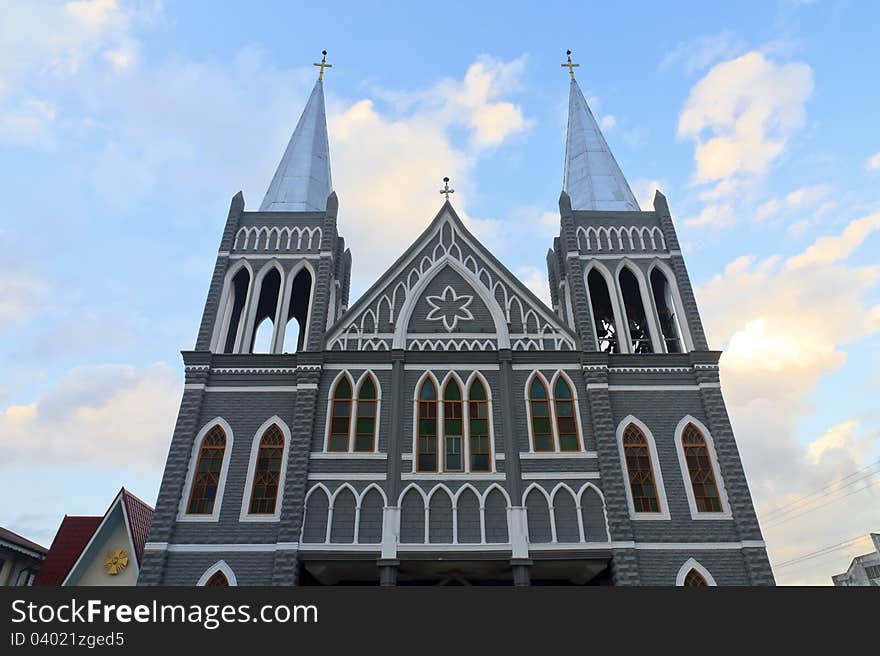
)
(592, 178)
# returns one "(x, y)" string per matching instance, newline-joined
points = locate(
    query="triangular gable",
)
(130, 512)
(517, 319)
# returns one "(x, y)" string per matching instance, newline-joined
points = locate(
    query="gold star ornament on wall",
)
(116, 561)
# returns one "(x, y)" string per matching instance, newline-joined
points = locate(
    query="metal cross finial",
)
(569, 65)
(446, 190)
(323, 65)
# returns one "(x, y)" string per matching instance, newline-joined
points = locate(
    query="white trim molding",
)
(219, 566)
(692, 564)
(716, 471)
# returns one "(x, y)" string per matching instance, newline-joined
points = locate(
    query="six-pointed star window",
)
(449, 307)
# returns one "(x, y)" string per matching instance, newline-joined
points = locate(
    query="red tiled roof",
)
(15, 538)
(72, 537)
(140, 515)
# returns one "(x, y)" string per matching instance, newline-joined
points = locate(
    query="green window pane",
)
(568, 443)
(368, 390)
(452, 391)
(365, 426)
(478, 392)
(562, 390)
(363, 443)
(543, 443)
(428, 392)
(537, 389)
(339, 442)
(343, 390)
(541, 425)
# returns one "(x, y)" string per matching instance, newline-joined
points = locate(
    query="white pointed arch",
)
(549, 500)
(415, 293)
(287, 295)
(716, 470)
(576, 409)
(613, 295)
(441, 487)
(500, 488)
(224, 314)
(551, 410)
(467, 487)
(245, 515)
(256, 290)
(647, 305)
(680, 315)
(461, 490)
(580, 501)
(222, 567)
(540, 488)
(418, 489)
(319, 487)
(564, 488)
(330, 394)
(345, 486)
(663, 513)
(693, 564)
(452, 375)
(182, 514)
(366, 490)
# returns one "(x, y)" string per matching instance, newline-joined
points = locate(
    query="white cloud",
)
(22, 296)
(873, 162)
(697, 54)
(742, 113)
(806, 196)
(644, 191)
(536, 281)
(106, 415)
(784, 326)
(608, 122)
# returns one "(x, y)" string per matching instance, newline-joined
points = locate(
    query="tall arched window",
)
(539, 406)
(636, 317)
(603, 313)
(694, 580)
(206, 476)
(267, 308)
(298, 312)
(340, 416)
(267, 474)
(218, 580)
(365, 422)
(566, 423)
(235, 304)
(669, 325)
(699, 466)
(426, 447)
(637, 455)
(478, 427)
(453, 427)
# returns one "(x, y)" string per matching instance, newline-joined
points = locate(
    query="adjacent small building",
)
(20, 559)
(864, 570)
(99, 550)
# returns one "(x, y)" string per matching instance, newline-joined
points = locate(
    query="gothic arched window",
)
(695, 580)
(218, 580)
(669, 325)
(267, 473)
(298, 312)
(340, 416)
(699, 466)
(206, 476)
(566, 423)
(453, 427)
(365, 421)
(640, 470)
(636, 317)
(235, 308)
(603, 313)
(426, 442)
(267, 308)
(539, 408)
(478, 427)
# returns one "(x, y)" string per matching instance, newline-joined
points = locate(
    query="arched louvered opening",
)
(539, 409)
(478, 427)
(565, 516)
(593, 516)
(315, 523)
(236, 304)
(340, 416)
(694, 579)
(699, 465)
(603, 313)
(468, 517)
(426, 447)
(636, 317)
(637, 454)
(298, 312)
(496, 517)
(370, 518)
(206, 476)
(365, 420)
(663, 301)
(412, 518)
(566, 423)
(440, 518)
(342, 525)
(453, 427)
(267, 473)
(267, 308)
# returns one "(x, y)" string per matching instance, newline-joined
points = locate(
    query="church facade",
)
(448, 427)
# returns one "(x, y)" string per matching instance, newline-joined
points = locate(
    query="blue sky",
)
(126, 128)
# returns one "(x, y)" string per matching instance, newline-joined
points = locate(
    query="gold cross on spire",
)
(323, 65)
(446, 190)
(569, 65)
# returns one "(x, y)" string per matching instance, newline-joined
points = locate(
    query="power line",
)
(782, 519)
(790, 507)
(820, 552)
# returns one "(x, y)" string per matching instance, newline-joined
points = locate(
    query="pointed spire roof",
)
(592, 178)
(302, 181)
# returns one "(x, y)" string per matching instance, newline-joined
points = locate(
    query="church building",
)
(448, 427)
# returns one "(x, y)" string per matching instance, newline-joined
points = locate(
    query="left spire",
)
(302, 181)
